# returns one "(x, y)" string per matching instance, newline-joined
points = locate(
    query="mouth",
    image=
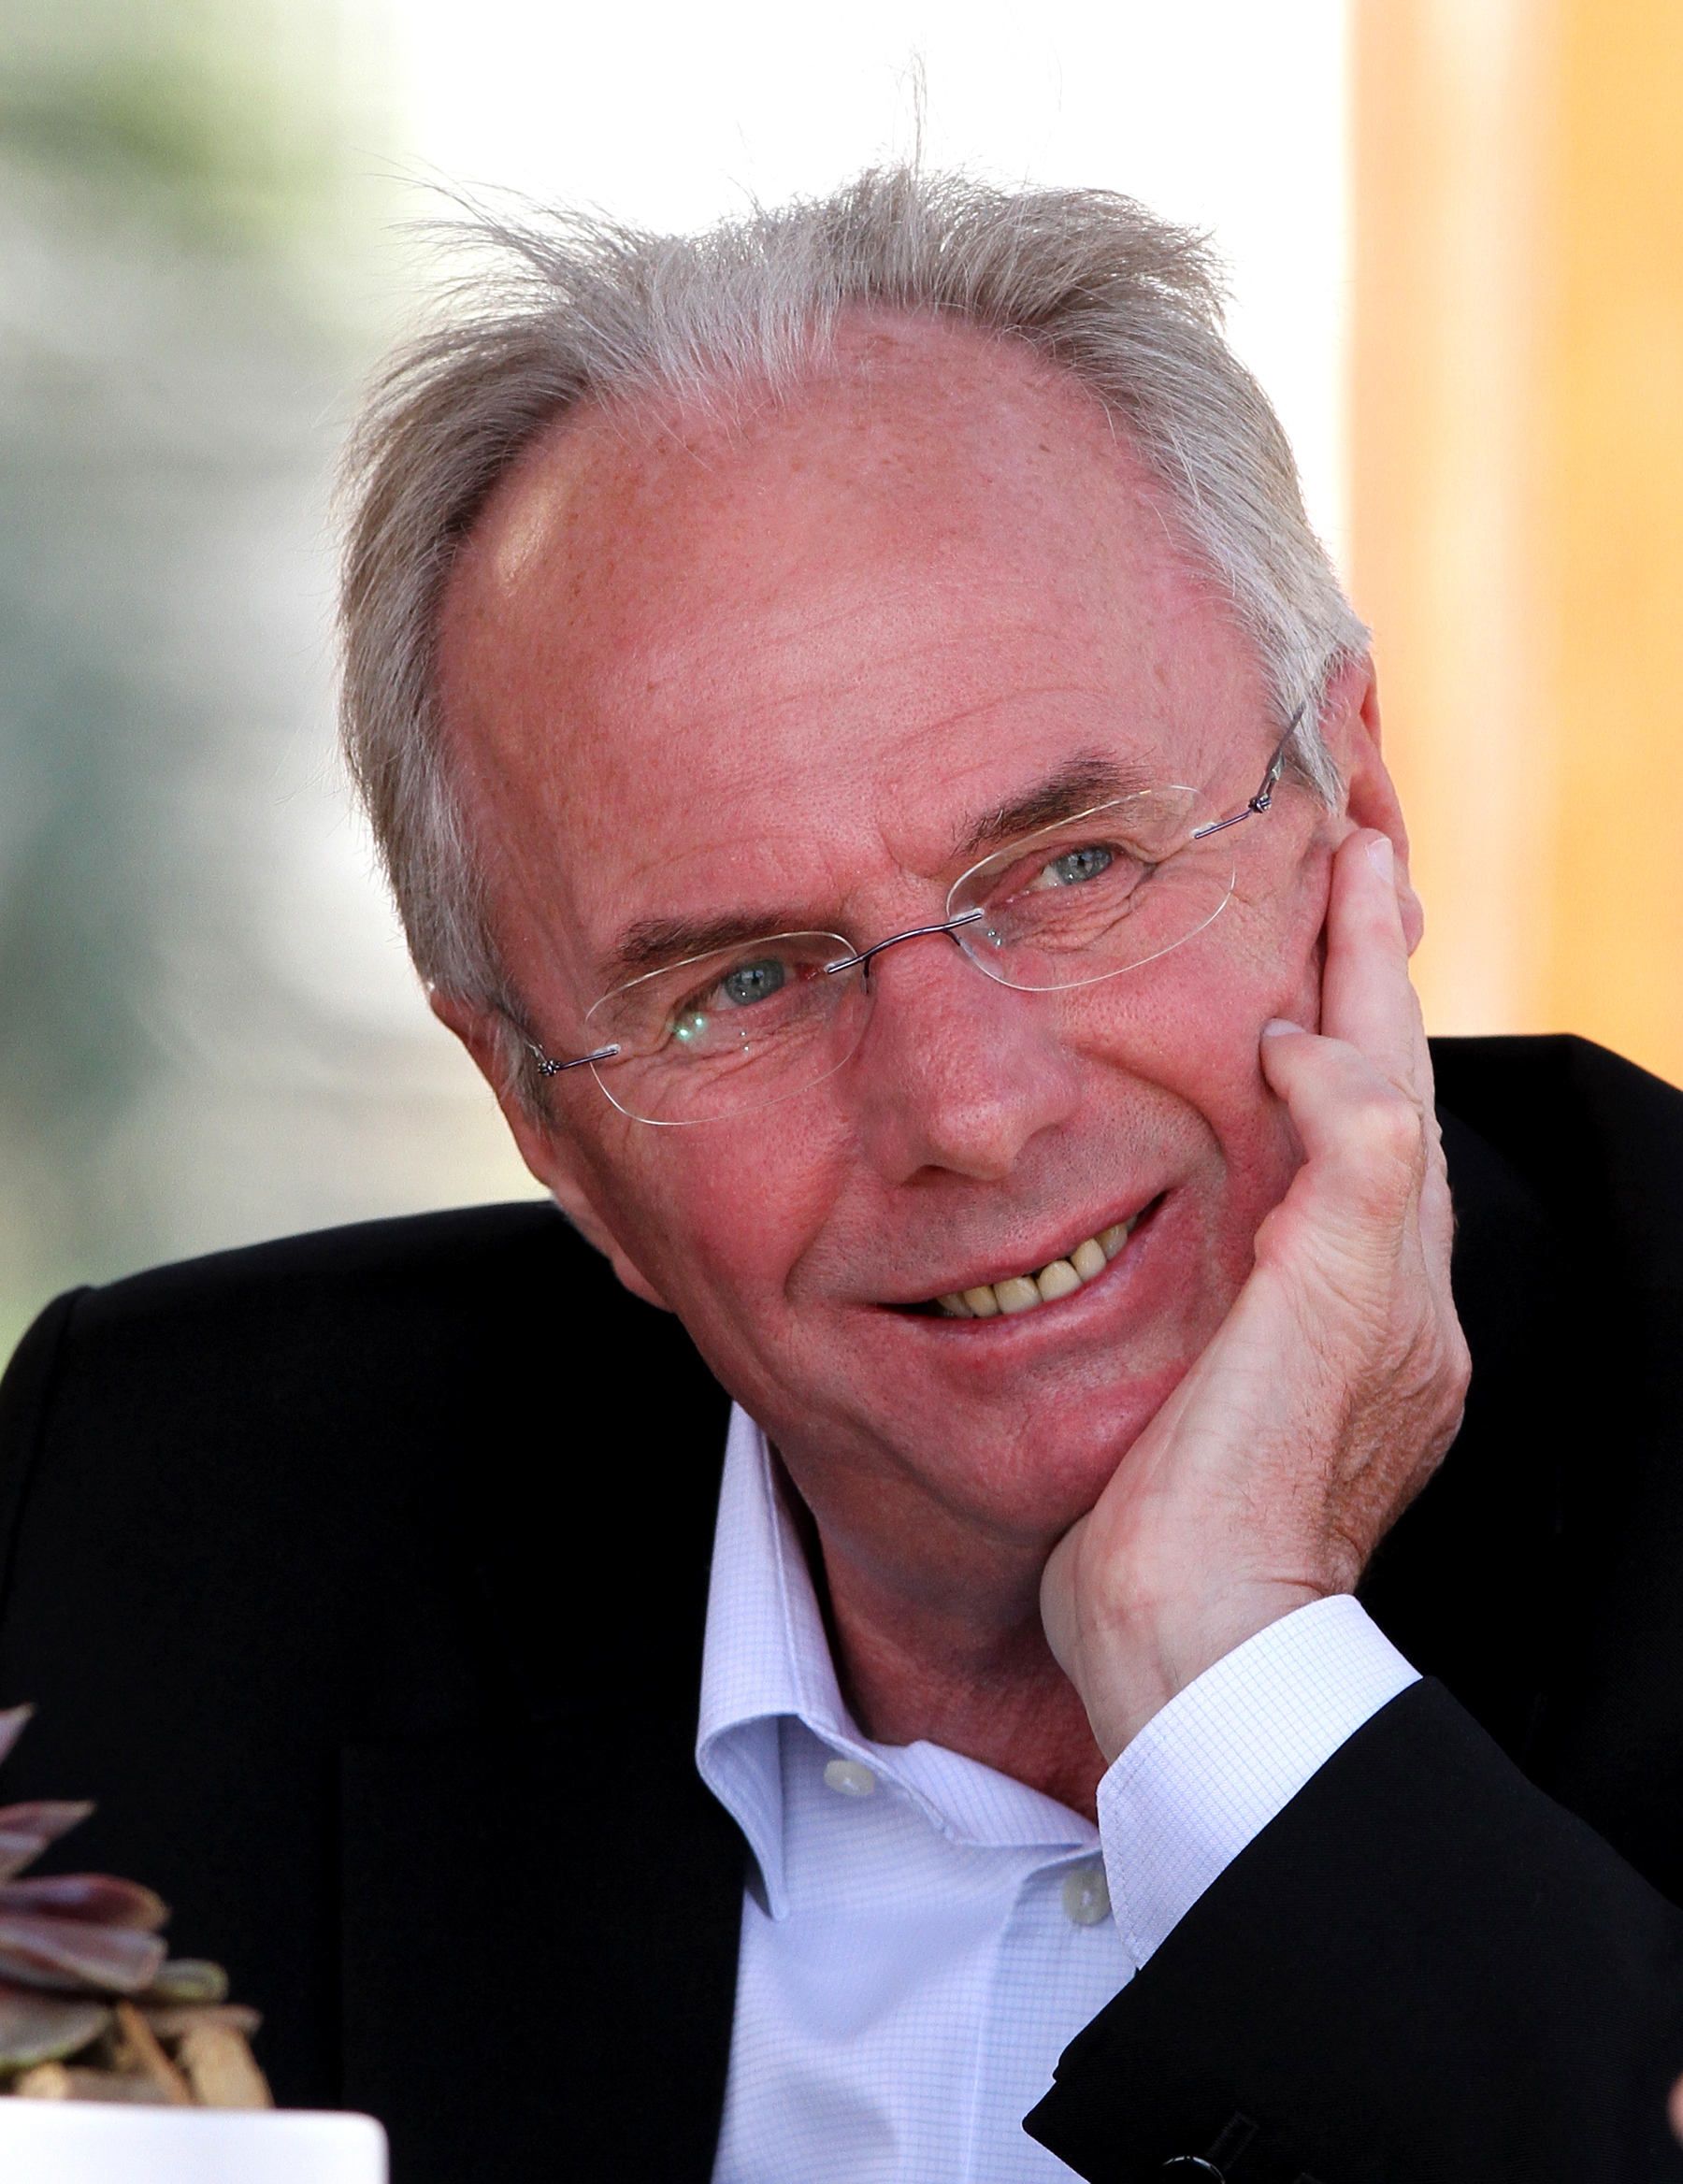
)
(1072, 1270)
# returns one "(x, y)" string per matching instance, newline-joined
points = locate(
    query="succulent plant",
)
(91, 2001)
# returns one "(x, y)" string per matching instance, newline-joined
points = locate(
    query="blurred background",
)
(1455, 235)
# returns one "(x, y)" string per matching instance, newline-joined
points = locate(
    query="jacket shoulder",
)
(387, 1491)
(1536, 1573)
(346, 1434)
(1599, 1139)
(409, 1252)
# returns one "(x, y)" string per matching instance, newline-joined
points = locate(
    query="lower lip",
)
(1003, 1323)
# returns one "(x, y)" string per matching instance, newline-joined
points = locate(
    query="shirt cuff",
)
(1227, 1755)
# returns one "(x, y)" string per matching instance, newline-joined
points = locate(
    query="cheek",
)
(1275, 971)
(1268, 960)
(1191, 1027)
(724, 1212)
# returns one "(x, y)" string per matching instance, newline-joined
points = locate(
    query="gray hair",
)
(563, 307)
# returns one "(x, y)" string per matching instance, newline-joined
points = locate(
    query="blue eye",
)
(1077, 865)
(753, 982)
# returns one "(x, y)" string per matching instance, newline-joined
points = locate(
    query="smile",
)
(1059, 1277)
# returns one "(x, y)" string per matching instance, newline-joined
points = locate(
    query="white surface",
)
(1215, 112)
(930, 1934)
(109, 2142)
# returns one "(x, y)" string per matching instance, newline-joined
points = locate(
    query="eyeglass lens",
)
(742, 1028)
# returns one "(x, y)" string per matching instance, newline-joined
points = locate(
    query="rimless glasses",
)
(722, 1034)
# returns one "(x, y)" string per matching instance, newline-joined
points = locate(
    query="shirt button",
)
(1087, 1895)
(852, 1779)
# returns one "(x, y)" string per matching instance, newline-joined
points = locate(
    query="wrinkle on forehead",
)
(944, 382)
(873, 587)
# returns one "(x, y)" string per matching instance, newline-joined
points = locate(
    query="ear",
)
(545, 1151)
(1350, 722)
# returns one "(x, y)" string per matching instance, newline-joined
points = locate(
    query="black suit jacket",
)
(362, 1578)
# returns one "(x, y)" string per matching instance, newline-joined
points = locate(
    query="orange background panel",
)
(1518, 498)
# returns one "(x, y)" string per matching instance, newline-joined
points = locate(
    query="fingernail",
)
(1384, 856)
(1277, 1026)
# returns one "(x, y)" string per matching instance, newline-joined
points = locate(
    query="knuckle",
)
(1385, 1144)
(1391, 1127)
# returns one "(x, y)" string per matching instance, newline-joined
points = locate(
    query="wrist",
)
(1129, 1669)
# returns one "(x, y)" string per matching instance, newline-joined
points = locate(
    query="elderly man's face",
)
(782, 672)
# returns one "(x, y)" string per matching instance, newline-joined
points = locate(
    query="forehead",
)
(682, 649)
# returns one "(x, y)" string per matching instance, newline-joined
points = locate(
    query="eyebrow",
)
(655, 943)
(1091, 778)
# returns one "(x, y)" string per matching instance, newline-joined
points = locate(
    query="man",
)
(880, 775)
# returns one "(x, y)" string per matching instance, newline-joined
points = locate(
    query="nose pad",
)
(955, 1071)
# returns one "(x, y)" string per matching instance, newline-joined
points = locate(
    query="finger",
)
(1355, 1124)
(1365, 996)
(1437, 1208)
(1437, 1212)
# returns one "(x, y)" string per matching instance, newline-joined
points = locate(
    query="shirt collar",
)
(767, 1657)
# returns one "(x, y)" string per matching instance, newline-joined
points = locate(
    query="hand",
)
(1332, 1388)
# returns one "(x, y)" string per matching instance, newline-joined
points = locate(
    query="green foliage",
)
(233, 119)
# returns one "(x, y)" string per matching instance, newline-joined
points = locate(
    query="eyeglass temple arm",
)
(1264, 796)
(550, 1068)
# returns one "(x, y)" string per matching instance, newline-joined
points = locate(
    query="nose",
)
(955, 1073)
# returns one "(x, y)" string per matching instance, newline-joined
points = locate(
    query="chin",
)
(1023, 1463)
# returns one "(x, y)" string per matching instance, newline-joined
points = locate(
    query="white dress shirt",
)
(924, 1937)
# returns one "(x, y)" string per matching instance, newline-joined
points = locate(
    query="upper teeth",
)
(1022, 1292)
